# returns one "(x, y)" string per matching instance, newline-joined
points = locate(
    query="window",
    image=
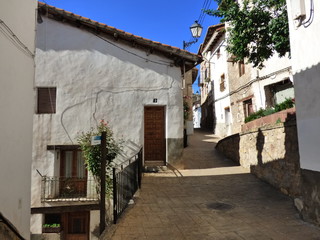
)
(52, 223)
(73, 174)
(247, 107)
(46, 101)
(52, 218)
(222, 83)
(241, 66)
(72, 164)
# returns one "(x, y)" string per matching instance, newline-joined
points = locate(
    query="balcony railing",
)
(54, 189)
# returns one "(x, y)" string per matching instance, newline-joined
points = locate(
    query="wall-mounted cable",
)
(5, 29)
(308, 22)
(136, 89)
(169, 64)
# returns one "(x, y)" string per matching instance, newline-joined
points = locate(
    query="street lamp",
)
(196, 30)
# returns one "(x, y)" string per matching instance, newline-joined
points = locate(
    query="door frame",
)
(156, 163)
(67, 217)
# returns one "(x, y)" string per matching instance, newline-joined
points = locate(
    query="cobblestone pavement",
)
(209, 197)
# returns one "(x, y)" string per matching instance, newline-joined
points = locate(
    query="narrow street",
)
(209, 197)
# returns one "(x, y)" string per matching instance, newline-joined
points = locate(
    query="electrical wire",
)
(206, 5)
(6, 30)
(170, 64)
(135, 89)
(132, 53)
(251, 82)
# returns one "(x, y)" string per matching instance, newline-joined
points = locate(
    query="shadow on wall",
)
(230, 147)
(278, 165)
(208, 116)
(271, 152)
(308, 105)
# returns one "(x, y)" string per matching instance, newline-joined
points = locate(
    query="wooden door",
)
(76, 226)
(154, 136)
(73, 174)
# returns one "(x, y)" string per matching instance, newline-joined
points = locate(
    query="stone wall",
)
(271, 152)
(309, 202)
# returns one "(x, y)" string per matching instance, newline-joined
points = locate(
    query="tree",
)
(258, 28)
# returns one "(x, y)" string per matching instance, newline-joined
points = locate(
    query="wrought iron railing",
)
(68, 189)
(126, 181)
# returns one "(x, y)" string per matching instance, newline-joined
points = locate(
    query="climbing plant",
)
(92, 153)
(186, 108)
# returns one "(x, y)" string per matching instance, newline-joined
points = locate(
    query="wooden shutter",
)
(47, 100)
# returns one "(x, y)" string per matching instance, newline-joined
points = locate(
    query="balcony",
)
(62, 189)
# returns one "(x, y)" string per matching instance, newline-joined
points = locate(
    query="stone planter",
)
(51, 229)
(281, 116)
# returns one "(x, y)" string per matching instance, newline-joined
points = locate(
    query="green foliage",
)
(288, 103)
(92, 153)
(52, 225)
(186, 108)
(258, 28)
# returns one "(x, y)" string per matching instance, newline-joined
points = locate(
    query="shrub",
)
(288, 103)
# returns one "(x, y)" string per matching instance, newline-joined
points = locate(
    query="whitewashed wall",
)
(305, 49)
(96, 80)
(219, 66)
(196, 116)
(16, 104)
(272, 67)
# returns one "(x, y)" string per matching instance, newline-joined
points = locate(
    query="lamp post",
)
(196, 30)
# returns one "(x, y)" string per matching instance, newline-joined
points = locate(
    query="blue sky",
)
(165, 21)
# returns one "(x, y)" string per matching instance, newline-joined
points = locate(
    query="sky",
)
(165, 21)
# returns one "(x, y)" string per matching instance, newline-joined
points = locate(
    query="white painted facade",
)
(275, 70)
(219, 69)
(215, 63)
(196, 115)
(16, 104)
(305, 49)
(97, 79)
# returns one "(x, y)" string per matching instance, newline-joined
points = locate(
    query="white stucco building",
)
(214, 81)
(17, 35)
(87, 71)
(237, 88)
(304, 22)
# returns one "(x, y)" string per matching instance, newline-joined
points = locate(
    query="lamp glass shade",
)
(196, 29)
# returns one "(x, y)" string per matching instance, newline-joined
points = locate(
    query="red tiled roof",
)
(175, 53)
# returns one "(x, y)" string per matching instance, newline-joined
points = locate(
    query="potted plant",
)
(51, 228)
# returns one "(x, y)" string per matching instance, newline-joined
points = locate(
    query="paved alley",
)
(208, 197)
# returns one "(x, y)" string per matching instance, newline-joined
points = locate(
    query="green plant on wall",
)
(288, 103)
(52, 225)
(92, 153)
(186, 108)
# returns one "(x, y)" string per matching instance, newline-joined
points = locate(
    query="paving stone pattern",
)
(210, 203)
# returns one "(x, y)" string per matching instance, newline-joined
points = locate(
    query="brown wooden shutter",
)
(47, 100)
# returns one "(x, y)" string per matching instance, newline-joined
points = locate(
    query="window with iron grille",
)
(46, 100)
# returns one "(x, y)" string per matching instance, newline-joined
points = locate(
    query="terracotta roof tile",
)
(164, 47)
